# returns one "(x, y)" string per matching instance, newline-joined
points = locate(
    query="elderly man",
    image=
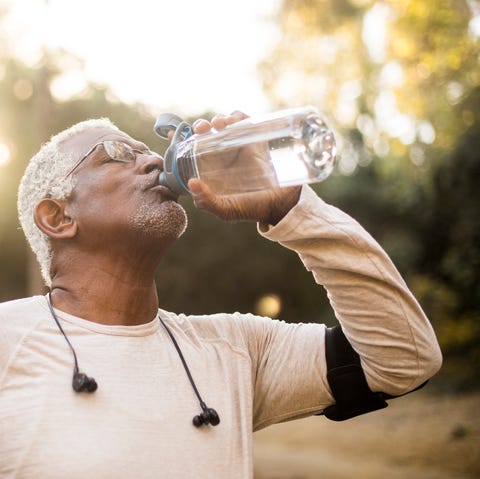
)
(99, 222)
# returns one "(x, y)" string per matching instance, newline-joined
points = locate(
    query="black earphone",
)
(208, 415)
(83, 383)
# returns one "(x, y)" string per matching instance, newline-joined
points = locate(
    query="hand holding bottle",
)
(266, 205)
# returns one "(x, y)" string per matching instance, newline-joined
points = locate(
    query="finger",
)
(196, 187)
(204, 199)
(219, 122)
(235, 116)
(201, 194)
(201, 126)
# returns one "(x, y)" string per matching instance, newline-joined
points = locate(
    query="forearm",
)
(378, 313)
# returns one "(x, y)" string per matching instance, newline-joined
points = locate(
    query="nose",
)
(148, 162)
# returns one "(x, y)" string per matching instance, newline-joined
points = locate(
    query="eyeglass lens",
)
(119, 151)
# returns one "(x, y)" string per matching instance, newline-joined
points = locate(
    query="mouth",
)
(165, 192)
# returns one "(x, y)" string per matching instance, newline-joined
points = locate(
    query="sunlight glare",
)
(4, 154)
(374, 31)
(67, 85)
(474, 26)
(163, 54)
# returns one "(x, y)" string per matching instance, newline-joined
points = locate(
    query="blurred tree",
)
(451, 258)
(391, 70)
(399, 80)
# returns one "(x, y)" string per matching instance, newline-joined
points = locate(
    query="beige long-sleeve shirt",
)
(254, 371)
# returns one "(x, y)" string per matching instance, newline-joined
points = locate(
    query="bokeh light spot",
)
(269, 305)
(23, 89)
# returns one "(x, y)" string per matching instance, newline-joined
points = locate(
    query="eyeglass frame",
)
(92, 149)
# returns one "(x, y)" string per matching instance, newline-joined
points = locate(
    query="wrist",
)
(283, 203)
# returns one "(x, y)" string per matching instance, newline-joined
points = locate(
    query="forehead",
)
(82, 142)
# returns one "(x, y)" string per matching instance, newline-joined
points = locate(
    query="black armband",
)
(347, 381)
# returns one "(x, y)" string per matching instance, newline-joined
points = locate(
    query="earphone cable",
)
(177, 347)
(62, 331)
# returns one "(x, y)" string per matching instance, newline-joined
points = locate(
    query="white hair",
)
(45, 178)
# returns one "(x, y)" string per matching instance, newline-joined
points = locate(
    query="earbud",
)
(82, 383)
(208, 416)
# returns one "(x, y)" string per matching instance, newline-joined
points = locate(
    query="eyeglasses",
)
(116, 151)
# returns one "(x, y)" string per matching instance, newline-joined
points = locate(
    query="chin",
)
(168, 221)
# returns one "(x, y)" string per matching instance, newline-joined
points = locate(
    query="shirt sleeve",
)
(16, 322)
(378, 314)
(288, 368)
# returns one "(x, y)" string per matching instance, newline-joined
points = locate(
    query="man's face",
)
(113, 201)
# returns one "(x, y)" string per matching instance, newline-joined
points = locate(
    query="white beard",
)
(169, 220)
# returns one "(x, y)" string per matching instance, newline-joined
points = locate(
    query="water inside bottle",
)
(305, 158)
(305, 155)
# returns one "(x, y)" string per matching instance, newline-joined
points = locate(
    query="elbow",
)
(420, 361)
(430, 364)
(399, 378)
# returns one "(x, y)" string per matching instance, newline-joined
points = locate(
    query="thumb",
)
(227, 208)
(204, 199)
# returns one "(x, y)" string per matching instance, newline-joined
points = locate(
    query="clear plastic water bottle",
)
(285, 148)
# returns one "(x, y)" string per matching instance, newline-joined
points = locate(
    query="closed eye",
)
(107, 159)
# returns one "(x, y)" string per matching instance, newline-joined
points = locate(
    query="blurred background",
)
(398, 79)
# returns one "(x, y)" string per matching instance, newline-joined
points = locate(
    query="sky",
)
(187, 55)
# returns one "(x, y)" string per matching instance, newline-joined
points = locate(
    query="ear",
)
(51, 217)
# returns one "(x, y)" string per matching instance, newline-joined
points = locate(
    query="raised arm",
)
(379, 315)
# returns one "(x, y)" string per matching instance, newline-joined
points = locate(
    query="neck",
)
(124, 294)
